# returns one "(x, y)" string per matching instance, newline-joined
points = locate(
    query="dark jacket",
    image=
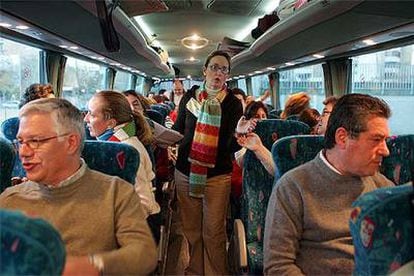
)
(232, 110)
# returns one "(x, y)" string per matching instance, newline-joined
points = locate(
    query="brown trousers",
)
(204, 224)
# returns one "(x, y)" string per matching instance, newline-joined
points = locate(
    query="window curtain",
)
(249, 86)
(337, 75)
(54, 68)
(133, 83)
(110, 78)
(274, 88)
(146, 86)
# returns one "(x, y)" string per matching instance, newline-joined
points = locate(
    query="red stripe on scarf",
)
(207, 129)
(198, 169)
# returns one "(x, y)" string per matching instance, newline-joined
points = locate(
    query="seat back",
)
(257, 187)
(382, 230)
(156, 116)
(9, 128)
(292, 151)
(7, 158)
(29, 246)
(399, 165)
(257, 182)
(160, 108)
(113, 158)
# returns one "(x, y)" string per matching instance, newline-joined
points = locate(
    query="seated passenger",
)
(307, 229)
(110, 118)
(250, 140)
(311, 117)
(99, 217)
(295, 104)
(36, 91)
(326, 113)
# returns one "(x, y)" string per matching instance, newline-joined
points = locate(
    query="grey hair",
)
(67, 117)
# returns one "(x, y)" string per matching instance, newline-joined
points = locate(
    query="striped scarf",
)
(204, 146)
(123, 132)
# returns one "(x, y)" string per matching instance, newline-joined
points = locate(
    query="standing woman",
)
(207, 118)
(110, 118)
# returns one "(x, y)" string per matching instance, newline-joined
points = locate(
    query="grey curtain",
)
(110, 78)
(337, 75)
(54, 66)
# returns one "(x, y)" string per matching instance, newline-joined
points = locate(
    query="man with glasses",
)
(99, 216)
(326, 113)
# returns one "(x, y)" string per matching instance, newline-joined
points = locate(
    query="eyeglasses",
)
(215, 68)
(35, 143)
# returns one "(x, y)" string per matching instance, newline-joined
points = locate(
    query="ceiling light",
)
(100, 58)
(194, 42)
(63, 46)
(271, 68)
(189, 77)
(22, 27)
(258, 72)
(74, 47)
(369, 42)
(289, 63)
(318, 56)
(5, 25)
(242, 76)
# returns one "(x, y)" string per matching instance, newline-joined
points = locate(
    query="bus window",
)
(81, 80)
(122, 81)
(307, 79)
(260, 84)
(241, 83)
(389, 75)
(19, 67)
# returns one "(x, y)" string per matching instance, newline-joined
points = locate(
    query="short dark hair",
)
(36, 91)
(218, 53)
(331, 100)
(238, 91)
(252, 108)
(352, 112)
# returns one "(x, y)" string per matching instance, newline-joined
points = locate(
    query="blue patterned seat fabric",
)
(257, 186)
(112, 158)
(7, 157)
(382, 229)
(292, 151)
(399, 165)
(29, 246)
(161, 109)
(9, 128)
(156, 116)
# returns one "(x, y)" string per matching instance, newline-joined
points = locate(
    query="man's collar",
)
(71, 179)
(322, 156)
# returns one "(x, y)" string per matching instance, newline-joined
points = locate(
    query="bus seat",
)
(399, 165)
(382, 230)
(257, 187)
(275, 114)
(9, 128)
(160, 108)
(292, 151)
(156, 116)
(29, 246)
(7, 157)
(112, 158)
